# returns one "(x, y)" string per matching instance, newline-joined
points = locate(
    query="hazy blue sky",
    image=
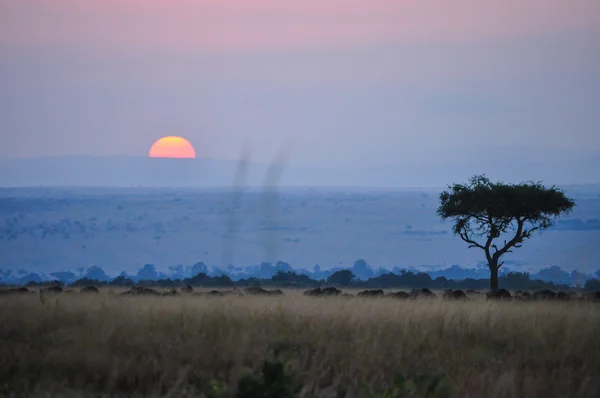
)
(340, 83)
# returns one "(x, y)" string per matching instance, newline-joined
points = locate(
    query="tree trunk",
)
(493, 275)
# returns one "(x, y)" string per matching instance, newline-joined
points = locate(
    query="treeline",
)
(266, 271)
(342, 278)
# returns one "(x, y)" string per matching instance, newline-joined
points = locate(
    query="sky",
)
(340, 84)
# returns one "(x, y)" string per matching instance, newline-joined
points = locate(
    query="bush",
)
(275, 383)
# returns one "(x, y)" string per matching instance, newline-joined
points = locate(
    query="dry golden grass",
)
(76, 345)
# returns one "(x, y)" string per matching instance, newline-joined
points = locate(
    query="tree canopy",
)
(485, 210)
(343, 277)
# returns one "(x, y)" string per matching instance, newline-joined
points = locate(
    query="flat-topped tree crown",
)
(485, 210)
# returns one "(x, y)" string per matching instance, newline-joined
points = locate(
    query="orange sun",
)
(172, 147)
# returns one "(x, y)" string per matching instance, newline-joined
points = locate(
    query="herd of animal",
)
(424, 293)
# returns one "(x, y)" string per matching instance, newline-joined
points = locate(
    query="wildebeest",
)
(563, 296)
(212, 293)
(89, 289)
(544, 294)
(523, 295)
(399, 295)
(500, 294)
(328, 291)
(16, 290)
(140, 291)
(454, 295)
(259, 291)
(421, 293)
(371, 293)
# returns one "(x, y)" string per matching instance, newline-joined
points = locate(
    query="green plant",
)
(216, 390)
(421, 386)
(275, 383)
(4, 390)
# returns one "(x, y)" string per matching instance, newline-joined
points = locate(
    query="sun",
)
(172, 147)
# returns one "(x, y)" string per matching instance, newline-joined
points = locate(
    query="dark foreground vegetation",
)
(197, 343)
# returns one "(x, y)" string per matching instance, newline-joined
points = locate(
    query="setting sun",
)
(172, 147)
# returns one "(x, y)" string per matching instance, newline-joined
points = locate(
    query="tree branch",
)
(464, 236)
(518, 238)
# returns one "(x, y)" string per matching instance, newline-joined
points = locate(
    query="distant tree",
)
(483, 209)
(97, 273)
(342, 278)
(592, 284)
(31, 277)
(362, 270)
(148, 272)
(552, 274)
(199, 268)
(6, 276)
(177, 271)
(86, 282)
(121, 280)
(283, 266)
(65, 276)
(232, 269)
(290, 278)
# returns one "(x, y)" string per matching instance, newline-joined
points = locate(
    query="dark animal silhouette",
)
(371, 293)
(454, 295)
(259, 291)
(89, 289)
(17, 290)
(53, 289)
(523, 295)
(422, 293)
(141, 291)
(328, 291)
(399, 295)
(563, 296)
(499, 294)
(544, 294)
(212, 293)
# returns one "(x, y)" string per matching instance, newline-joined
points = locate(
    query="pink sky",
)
(225, 25)
(373, 80)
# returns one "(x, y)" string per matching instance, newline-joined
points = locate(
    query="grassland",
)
(77, 345)
(45, 230)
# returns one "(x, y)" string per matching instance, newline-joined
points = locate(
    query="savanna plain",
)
(77, 345)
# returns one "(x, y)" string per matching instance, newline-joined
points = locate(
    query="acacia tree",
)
(342, 277)
(485, 213)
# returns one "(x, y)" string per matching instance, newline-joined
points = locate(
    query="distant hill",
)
(434, 170)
